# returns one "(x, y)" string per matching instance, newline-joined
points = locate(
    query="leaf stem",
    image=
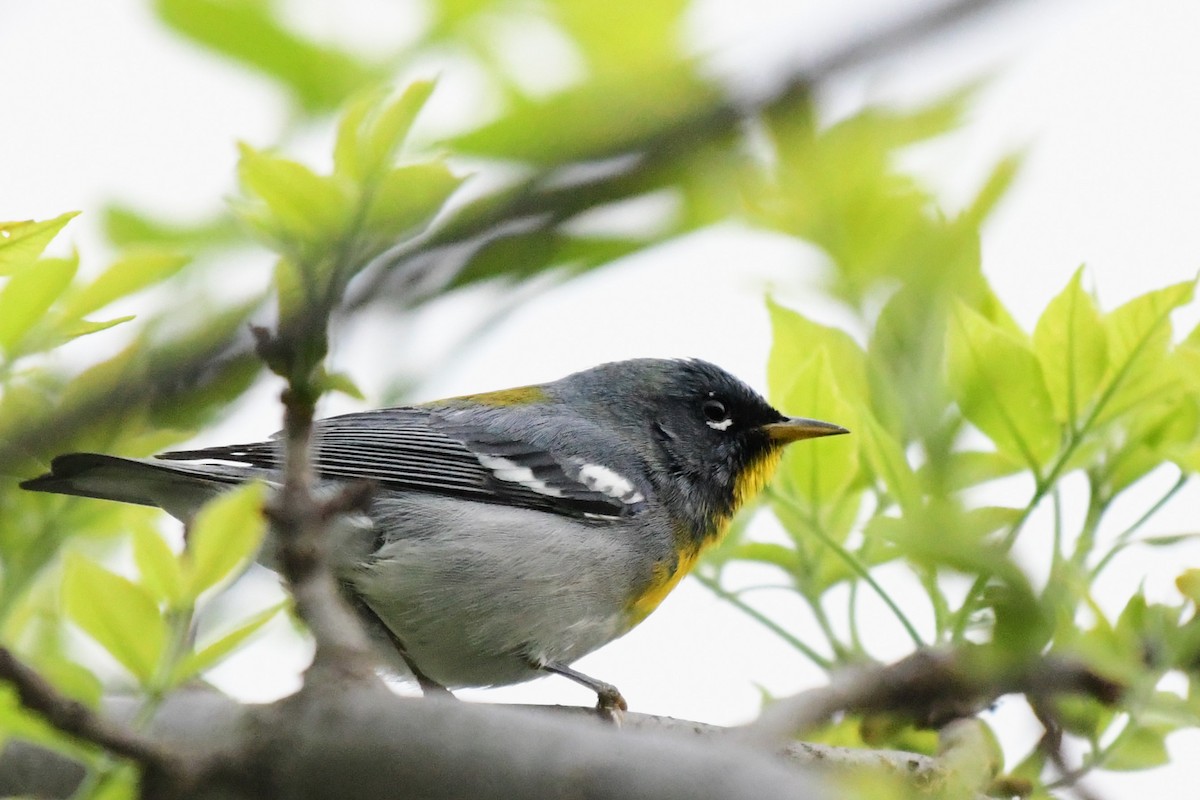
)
(1075, 436)
(1123, 538)
(730, 597)
(1097, 504)
(856, 566)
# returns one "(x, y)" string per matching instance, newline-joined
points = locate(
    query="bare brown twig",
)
(931, 686)
(163, 773)
(300, 521)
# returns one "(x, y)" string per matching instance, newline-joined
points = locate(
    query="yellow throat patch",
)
(667, 575)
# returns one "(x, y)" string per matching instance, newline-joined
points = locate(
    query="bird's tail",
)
(178, 488)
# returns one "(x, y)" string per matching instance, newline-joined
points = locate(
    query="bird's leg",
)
(608, 697)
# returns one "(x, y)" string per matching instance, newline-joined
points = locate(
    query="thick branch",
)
(364, 742)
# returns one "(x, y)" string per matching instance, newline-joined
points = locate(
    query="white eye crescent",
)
(715, 414)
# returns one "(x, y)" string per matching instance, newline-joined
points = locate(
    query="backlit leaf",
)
(1188, 584)
(225, 533)
(1070, 344)
(214, 652)
(887, 460)
(29, 294)
(120, 615)
(794, 338)
(83, 327)
(1138, 336)
(406, 198)
(319, 76)
(129, 274)
(22, 242)
(157, 565)
(820, 469)
(1139, 747)
(599, 119)
(998, 384)
(302, 204)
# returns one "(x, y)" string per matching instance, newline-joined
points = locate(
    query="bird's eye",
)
(716, 414)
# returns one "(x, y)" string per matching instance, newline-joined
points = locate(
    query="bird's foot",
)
(610, 704)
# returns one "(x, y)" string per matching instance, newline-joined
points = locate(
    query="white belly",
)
(479, 593)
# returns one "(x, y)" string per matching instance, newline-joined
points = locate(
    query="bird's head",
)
(710, 442)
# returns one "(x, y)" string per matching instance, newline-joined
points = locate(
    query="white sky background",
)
(100, 103)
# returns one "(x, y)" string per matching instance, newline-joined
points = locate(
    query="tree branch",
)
(932, 686)
(162, 772)
(300, 522)
(363, 741)
(424, 265)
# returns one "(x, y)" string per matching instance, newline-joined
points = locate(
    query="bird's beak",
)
(793, 429)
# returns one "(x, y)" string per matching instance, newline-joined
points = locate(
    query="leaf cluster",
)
(946, 394)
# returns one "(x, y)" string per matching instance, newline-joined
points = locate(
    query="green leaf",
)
(320, 77)
(28, 295)
(1139, 747)
(794, 338)
(132, 273)
(1139, 335)
(22, 242)
(1083, 716)
(347, 146)
(124, 227)
(84, 327)
(215, 652)
(968, 468)
(370, 133)
(70, 678)
(819, 470)
(887, 460)
(225, 533)
(599, 119)
(119, 782)
(1153, 433)
(786, 558)
(302, 205)
(390, 128)
(624, 36)
(1071, 346)
(998, 384)
(18, 722)
(994, 188)
(407, 198)
(292, 290)
(1188, 584)
(158, 566)
(525, 254)
(117, 613)
(339, 382)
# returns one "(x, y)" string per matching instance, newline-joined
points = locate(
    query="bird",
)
(512, 532)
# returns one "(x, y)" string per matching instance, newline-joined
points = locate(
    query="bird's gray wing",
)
(426, 449)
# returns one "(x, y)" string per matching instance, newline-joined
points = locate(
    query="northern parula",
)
(513, 532)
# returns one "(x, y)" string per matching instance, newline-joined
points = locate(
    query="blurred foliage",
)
(945, 393)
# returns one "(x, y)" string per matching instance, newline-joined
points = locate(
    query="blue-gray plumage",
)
(512, 532)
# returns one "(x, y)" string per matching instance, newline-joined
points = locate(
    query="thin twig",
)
(931, 686)
(1051, 744)
(83, 724)
(540, 203)
(300, 521)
